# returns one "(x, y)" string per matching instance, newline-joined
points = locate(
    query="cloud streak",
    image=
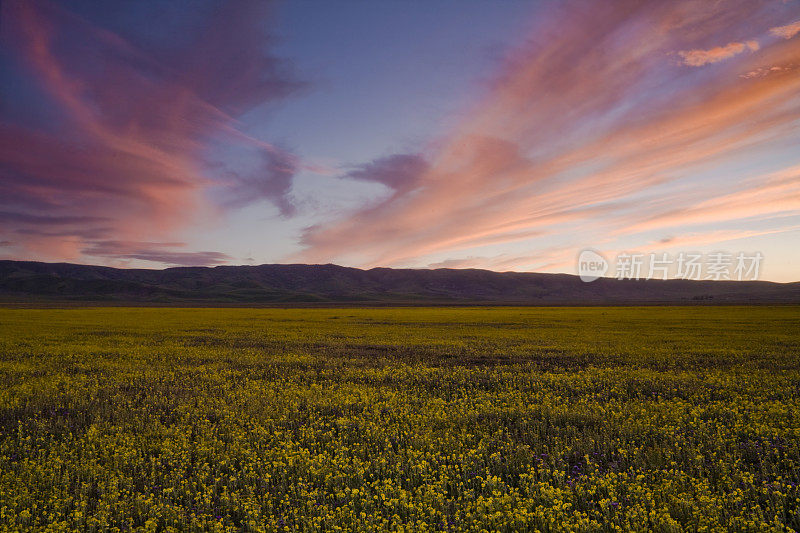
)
(120, 252)
(763, 196)
(698, 58)
(141, 141)
(579, 128)
(788, 31)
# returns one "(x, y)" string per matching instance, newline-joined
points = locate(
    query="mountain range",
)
(298, 284)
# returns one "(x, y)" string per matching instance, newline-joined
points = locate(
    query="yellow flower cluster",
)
(659, 419)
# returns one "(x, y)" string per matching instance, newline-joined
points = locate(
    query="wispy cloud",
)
(158, 252)
(581, 124)
(138, 137)
(543, 258)
(788, 31)
(698, 58)
(692, 240)
(760, 196)
(766, 71)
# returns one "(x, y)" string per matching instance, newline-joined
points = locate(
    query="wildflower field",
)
(409, 419)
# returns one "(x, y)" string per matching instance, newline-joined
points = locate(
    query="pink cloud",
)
(573, 131)
(698, 58)
(762, 196)
(138, 139)
(760, 72)
(788, 31)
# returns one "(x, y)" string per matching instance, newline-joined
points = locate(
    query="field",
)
(497, 419)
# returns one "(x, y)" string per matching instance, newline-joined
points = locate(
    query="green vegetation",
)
(506, 419)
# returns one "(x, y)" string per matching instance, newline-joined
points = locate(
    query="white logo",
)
(591, 265)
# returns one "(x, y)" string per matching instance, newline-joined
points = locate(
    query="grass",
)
(497, 419)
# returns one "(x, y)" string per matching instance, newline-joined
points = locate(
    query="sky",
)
(461, 134)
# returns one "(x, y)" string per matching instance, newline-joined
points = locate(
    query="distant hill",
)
(34, 282)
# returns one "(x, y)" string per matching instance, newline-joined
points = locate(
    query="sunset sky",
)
(500, 135)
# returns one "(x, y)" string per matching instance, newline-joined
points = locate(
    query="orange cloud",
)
(698, 58)
(766, 71)
(580, 127)
(767, 196)
(127, 154)
(788, 31)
